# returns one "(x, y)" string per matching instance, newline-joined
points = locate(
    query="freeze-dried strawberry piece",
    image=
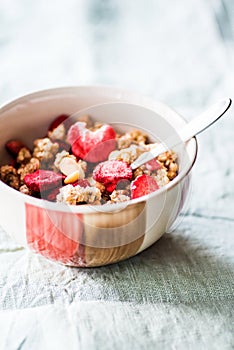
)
(111, 172)
(14, 146)
(92, 146)
(52, 194)
(153, 165)
(57, 121)
(43, 180)
(110, 187)
(142, 185)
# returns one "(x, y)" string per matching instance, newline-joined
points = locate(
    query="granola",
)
(76, 194)
(45, 150)
(92, 162)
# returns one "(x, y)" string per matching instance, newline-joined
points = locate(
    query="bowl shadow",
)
(174, 270)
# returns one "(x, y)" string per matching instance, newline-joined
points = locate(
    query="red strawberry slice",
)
(142, 185)
(111, 172)
(110, 187)
(57, 121)
(14, 146)
(153, 165)
(43, 180)
(92, 146)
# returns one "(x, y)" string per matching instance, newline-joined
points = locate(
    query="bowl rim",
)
(148, 103)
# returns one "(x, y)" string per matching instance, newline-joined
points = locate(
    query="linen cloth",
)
(179, 293)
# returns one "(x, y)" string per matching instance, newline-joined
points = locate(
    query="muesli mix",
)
(85, 162)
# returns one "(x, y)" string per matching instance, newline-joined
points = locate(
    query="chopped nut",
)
(73, 177)
(68, 165)
(171, 175)
(162, 157)
(173, 167)
(60, 156)
(8, 174)
(24, 155)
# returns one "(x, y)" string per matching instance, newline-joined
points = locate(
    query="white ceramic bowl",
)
(91, 235)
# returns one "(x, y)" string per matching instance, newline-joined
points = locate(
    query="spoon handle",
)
(191, 129)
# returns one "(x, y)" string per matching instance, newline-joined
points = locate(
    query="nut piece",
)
(73, 177)
(68, 165)
(8, 174)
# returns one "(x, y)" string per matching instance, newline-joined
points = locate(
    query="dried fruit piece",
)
(14, 146)
(63, 146)
(57, 121)
(142, 185)
(52, 194)
(111, 172)
(43, 180)
(92, 146)
(153, 165)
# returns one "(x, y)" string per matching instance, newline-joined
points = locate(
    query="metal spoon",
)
(191, 129)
